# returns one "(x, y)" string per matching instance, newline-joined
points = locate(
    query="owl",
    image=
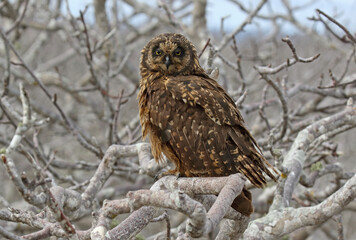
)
(191, 119)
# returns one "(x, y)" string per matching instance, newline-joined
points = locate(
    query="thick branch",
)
(278, 223)
(296, 157)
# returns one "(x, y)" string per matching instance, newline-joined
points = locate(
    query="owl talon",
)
(178, 175)
(164, 173)
(158, 176)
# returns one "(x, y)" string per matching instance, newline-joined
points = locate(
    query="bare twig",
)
(19, 18)
(9, 235)
(205, 46)
(288, 63)
(164, 217)
(348, 34)
(240, 28)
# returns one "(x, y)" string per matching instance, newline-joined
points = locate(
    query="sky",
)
(344, 10)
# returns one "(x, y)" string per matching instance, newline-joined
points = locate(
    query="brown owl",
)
(192, 120)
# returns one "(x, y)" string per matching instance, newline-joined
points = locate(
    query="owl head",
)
(170, 54)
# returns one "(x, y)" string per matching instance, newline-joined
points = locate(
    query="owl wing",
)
(204, 128)
(206, 93)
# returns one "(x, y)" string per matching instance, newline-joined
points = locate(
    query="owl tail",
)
(243, 203)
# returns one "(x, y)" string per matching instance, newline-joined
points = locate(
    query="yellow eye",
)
(178, 52)
(158, 52)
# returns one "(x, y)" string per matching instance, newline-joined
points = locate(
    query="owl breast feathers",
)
(191, 119)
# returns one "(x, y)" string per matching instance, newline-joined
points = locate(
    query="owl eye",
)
(157, 52)
(178, 52)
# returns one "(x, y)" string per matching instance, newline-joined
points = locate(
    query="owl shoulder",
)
(208, 94)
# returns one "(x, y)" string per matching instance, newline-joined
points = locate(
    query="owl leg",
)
(164, 173)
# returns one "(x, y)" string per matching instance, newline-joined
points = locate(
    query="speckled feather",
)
(191, 119)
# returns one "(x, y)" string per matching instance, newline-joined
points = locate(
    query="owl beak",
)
(168, 61)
